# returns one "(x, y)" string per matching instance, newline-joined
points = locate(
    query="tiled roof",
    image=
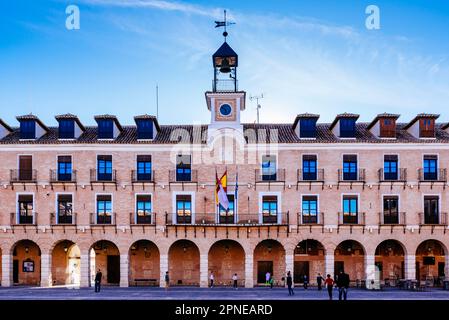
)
(5, 125)
(446, 126)
(148, 117)
(305, 116)
(343, 115)
(70, 116)
(32, 117)
(421, 116)
(384, 115)
(109, 117)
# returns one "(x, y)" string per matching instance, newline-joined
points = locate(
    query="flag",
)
(221, 197)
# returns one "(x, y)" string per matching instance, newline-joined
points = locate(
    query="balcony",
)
(310, 177)
(432, 220)
(269, 177)
(392, 219)
(184, 178)
(63, 219)
(142, 178)
(351, 177)
(225, 85)
(307, 220)
(23, 220)
(142, 221)
(351, 220)
(392, 177)
(103, 220)
(23, 177)
(439, 176)
(62, 178)
(103, 178)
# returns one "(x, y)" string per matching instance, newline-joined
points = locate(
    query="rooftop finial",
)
(223, 23)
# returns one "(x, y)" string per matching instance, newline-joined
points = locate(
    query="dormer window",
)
(27, 129)
(384, 125)
(105, 129)
(427, 128)
(347, 128)
(144, 129)
(66, 129)
(422, 126)
(307, 128)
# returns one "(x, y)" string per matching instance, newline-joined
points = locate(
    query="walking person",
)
(167, 281)
(319, 281)
(211, 279)
(306, 282)
(329, 284)
(267, 278)
(271, 282)
(234, 280)
(343, 285)
(290, 284)
(98, 277)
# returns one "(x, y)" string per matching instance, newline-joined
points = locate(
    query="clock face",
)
(225, 109)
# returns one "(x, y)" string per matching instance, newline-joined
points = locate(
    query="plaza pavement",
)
(189, 293)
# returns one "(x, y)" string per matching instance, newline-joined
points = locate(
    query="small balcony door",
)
(25, 168)
(144, 168)
(65, 209)
(104, 209)
(309, 209)
(26, 209)
(391, 167)
(143, 205)
(64, 168)
(183, 168)
(184, 209)
(309, 168)
(269, 209)
(269, 168)
(350, 210)
(430, 167)
(104, 167)
(349, 167)
(431, 210)
(391, 214)
(227, 216)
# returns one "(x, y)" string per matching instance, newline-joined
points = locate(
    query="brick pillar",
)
(163, 267)
(204, 270)
(370, 272)
(249, 271)
(46, 280)
(6, 270)
(84, 270)
(410, 267)
(124, 270)
(329, 260)
(289, 265)
(446, 267)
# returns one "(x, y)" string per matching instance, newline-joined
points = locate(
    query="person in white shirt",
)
(234, 279)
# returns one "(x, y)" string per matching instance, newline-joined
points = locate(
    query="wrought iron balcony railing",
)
(21, 175)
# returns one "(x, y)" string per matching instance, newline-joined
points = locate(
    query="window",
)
(227, 216)
(431, 210)
(104, 167)
(309, 209)
(144, 129)
(65, 209)
(105, 129)
(25, 204)
(349, 167)
(144, 168)
(309, 167)
(390, 167)
(307, 128)
(64, 168)
(183, 168)
(269, 168)
(66, 129)
(350, 210)
(430, 167)
(427, 128)
(104, 209)
(183, 209)
(143, 206)
(25, 168)
(347, 128)
(269, 209)
(387, 122)
(391, 207)
(27, 129)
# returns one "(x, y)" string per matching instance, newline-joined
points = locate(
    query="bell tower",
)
(225, 101)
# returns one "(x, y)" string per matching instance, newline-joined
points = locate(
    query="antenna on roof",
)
(157, 102)
(251, 98)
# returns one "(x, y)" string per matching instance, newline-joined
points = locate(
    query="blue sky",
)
(305, 56)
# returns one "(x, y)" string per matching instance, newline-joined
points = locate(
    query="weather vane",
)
(224, 23)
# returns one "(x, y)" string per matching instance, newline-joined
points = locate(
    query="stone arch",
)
(225, 258)
(26, 256)
(144, 263)
(65, 263)
(309, 260)
(430, 261)
(269, 256)
(349, 256)
(184, 263)
(104, 255)
(390, 261)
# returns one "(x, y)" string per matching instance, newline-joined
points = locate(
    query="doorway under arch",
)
(66, 264)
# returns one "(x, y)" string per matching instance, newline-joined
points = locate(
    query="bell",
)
(225, 68)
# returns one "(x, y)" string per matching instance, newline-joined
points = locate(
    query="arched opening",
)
(0, 264)
(184, 263)
(430, 262)
(226, 258)
(350, 258)
(105, 256)
(309, 261)
(26, 263)
(65, 264)
(269, 257)
(144, 260)
(389, 260)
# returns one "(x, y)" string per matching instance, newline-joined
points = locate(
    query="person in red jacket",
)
(329, 283)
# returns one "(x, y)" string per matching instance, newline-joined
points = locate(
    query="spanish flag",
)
(221, 186)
